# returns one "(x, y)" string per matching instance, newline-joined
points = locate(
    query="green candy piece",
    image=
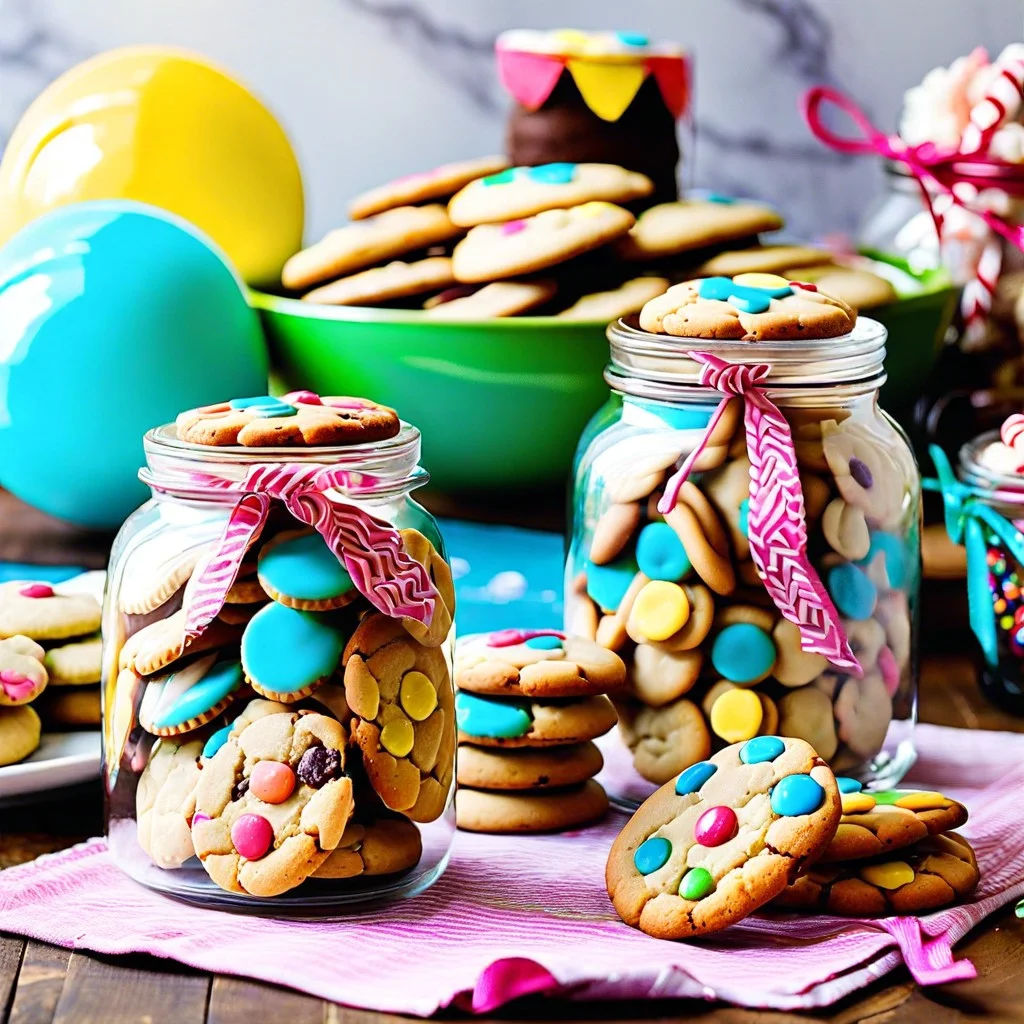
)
(696, 884)
(887, 796)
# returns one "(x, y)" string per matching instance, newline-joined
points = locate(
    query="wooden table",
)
(41, 983)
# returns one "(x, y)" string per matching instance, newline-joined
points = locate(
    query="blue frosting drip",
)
(284, 650)
(216, 741)
(744, 297)
(305, 568)
(264, 405)
(495, 719)
(223, 678)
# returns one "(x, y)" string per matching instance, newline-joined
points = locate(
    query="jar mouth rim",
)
(974, 472)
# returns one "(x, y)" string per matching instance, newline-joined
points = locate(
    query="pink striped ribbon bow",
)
(370, 549)
(776, 521)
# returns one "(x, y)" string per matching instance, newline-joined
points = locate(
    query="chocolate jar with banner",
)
(745, 533)
(279, 732)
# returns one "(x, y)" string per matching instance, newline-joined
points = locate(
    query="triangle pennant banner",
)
(607, 88)
(673, 77)
(529, 77)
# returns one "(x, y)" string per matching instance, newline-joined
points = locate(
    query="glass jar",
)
(296, 754)
(736, 666)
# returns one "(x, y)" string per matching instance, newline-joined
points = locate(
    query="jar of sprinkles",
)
(279, 731)
(745, 534)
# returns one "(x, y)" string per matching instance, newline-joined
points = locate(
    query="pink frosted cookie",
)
(22, 674)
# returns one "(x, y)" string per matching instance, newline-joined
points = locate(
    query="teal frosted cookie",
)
(190, 695)
(287, 653)
(299, 570)
(511, 722)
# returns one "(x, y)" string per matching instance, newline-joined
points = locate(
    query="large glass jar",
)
(296, 754)
(737, 667)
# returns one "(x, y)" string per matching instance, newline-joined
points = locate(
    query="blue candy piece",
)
(744, 297)
(853, 593)
(760, 749)
(717, 197)
(848, 785)
(797, 794)
(652, 854)
(305, 568)
(216, 741)
(545, 643)
(744, 515)
(552, 174)
(633, 38)
(607, 584)
(743, 653)
(660, 553)
(265, 406)
(694, 777)
(501, 178)
(285, 651)
(896, 561)
(495, 719)
(223, 679)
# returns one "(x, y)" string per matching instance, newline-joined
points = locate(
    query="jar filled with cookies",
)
(745, 534)
(279, 731)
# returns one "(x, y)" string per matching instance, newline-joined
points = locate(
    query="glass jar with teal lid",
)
(278, 711)
(745, 534)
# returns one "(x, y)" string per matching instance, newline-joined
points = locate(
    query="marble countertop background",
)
(371, 89)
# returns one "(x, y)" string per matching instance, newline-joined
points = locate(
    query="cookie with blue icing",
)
(723, 838)
(190, 695)
(536, 663)
(297, 568)
(513, 722)
(748, 307)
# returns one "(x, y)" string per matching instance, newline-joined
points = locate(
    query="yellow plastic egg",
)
(166, 127)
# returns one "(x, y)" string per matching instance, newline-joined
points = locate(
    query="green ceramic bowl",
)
(500, 403)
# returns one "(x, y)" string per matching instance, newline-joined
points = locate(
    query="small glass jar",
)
(352, 705)
(735, 668)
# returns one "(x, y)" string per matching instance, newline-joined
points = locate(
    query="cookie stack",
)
(529, 705)
(49, 664)
(767, 821)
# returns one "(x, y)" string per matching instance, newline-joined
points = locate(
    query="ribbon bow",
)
(776, 521)
(370, 549)
(966, 515)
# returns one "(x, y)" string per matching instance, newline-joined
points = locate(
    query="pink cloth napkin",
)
(513, 916)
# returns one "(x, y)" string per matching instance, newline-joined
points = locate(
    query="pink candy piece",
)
(252, 835)
(716, 826)
(511, 637)
(513, 227)
(890, 670)
(302, 398)
(37, 590)
(271, 781)
(15, 685)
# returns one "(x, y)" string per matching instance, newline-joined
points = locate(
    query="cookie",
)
(859, 289)
(527, 767)
(749, 307)
(536, 663)
(20, 730)
(500, 298)
(155, 572)
(297, 569)
(672, 228)
(413, 189)
(287, 653)
(523, 191)
(36, 611)
(23, 675)
(372, 240)
(394, 280)
(383, 846)
(417, 546)
(253, 710)
(162, 642)
(70, 707)
(932, 873)
(725, 837)
(300, 418)
(190, 695)
(523, 246)
(866, 472)
(877, 823)
(660, 677)
(846, 529)
(477, 810)
(703, 538)
(401, 694)
(75, 663)
(273, 803)
(509, 722)
(764, 259)
(604, 307)
(166, 800)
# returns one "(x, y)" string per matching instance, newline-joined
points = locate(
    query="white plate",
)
(63, 758)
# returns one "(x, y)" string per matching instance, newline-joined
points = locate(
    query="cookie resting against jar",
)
(279, 731)
(745, 534)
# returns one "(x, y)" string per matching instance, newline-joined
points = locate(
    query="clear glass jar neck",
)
(1003, 491)
(381, 469)
(662, 368)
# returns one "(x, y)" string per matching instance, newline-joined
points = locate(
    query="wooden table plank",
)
(238, 1001)
(11, 950)
(40, 982)
(130, 990)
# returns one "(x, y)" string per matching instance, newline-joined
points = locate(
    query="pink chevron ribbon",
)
(370, 548)
(776, 521)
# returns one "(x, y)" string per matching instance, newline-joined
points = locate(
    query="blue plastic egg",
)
(114, 317)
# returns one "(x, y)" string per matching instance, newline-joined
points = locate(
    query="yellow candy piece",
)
(397, 737)
(853, 803)
(924, 801)
(571, 36)
(736, 715)
(888, 876)
(760, 281)
(418, 696)
(660, 609)
(595, 208)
